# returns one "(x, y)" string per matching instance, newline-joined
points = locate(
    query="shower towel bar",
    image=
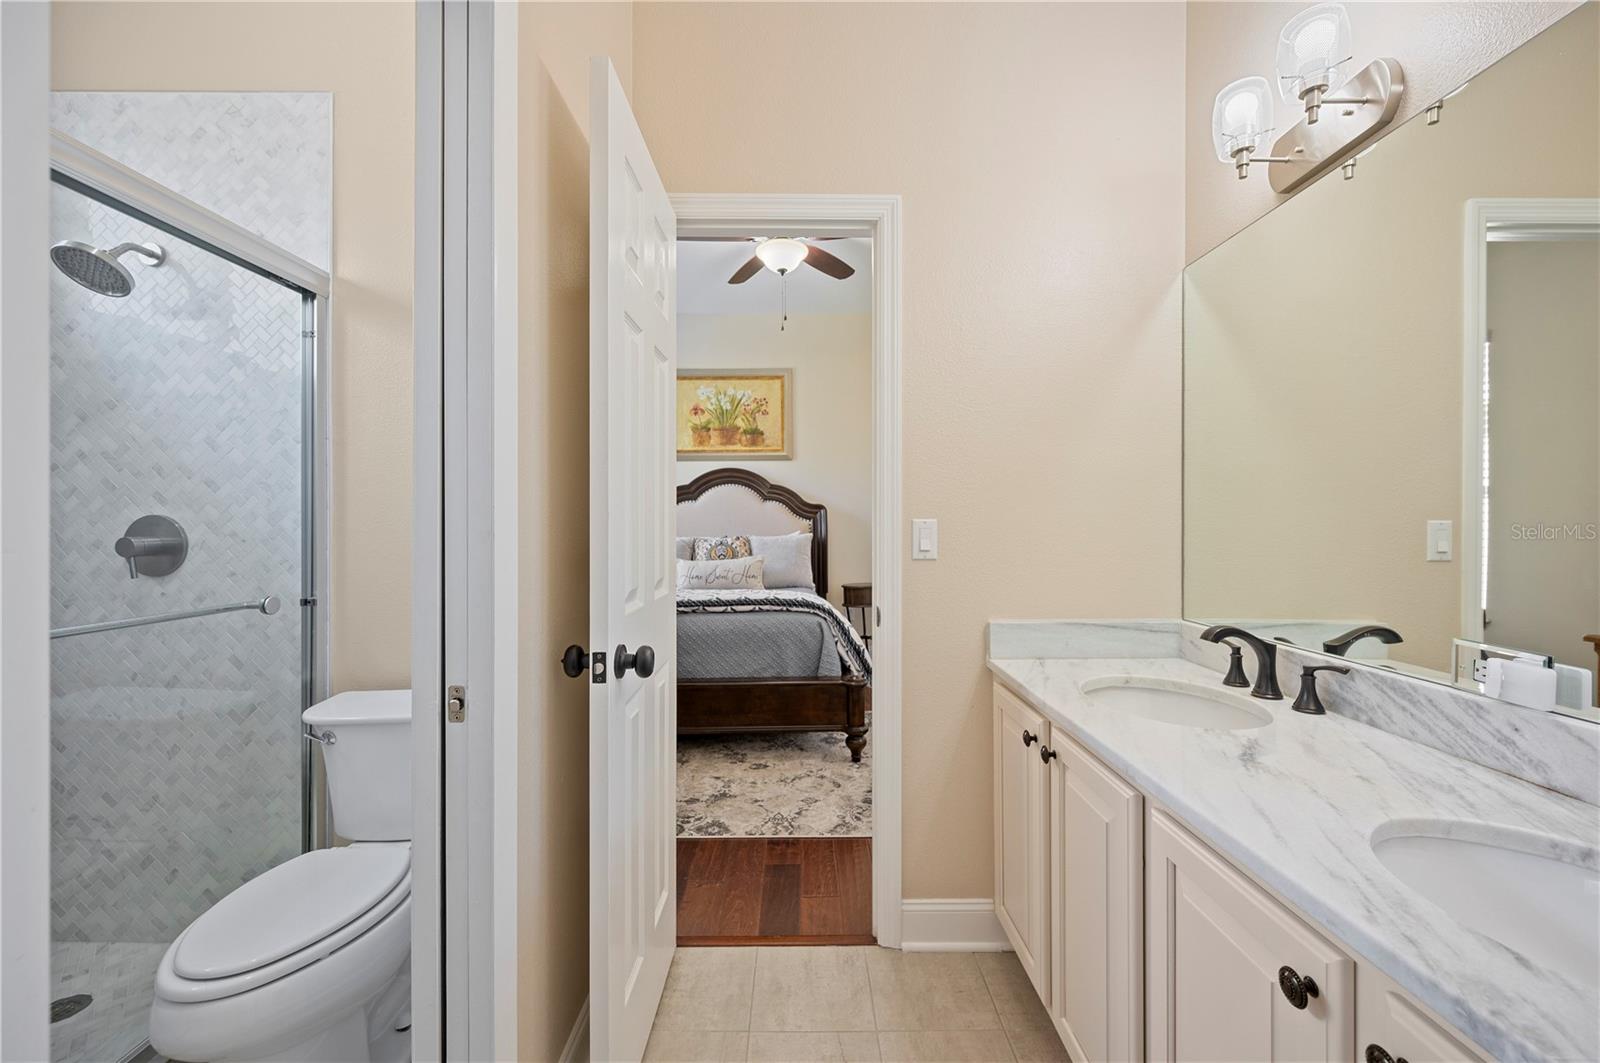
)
(267, 605)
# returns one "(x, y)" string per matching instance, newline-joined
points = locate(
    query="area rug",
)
(772, 786)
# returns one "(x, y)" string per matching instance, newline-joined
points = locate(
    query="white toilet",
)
(311, 961)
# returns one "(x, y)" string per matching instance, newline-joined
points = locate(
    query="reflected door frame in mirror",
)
(1485, 217)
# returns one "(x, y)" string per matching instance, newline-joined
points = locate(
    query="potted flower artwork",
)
(723, 407)
(735, 414)
(751, 433)
(699, 426)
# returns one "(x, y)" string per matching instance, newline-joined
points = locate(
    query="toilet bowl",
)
(310, 961)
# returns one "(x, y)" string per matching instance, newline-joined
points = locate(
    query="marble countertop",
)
(1295, 804)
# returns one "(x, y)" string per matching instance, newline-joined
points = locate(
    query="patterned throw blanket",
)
(852, 651)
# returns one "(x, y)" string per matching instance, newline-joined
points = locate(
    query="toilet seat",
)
(286, 919)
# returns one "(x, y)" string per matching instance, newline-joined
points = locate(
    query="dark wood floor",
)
(775, 891)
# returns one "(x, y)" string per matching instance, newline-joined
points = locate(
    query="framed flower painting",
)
(730, 413)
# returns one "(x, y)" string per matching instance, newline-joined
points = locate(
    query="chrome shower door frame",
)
(79, 167)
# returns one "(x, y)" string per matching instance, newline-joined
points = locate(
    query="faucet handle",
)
(1307, 700)
(1235, 676)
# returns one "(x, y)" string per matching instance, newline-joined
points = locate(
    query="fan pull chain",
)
(783, 300)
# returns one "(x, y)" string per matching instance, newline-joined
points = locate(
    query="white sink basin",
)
(1176, 702)
(1535, 894)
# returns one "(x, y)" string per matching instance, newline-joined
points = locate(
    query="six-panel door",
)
(1097, 901)
(1216, 945)
(1022, 785)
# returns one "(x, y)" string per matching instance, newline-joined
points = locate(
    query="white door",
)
(632, 572)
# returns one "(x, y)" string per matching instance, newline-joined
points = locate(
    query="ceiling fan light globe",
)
(781, 254)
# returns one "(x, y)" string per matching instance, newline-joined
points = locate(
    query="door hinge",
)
(597, 667)
(455, 705)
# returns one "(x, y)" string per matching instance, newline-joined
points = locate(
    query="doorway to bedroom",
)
(774, 546)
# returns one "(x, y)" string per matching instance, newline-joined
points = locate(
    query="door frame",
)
(1482, 216)
(876, 217)
(24, 537)
(465, 888)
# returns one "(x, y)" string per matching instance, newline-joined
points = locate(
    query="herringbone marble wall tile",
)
(263, 160)
(176, 748)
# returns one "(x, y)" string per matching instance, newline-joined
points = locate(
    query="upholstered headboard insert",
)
(740, 502)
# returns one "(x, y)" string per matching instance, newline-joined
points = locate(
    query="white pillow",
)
(684, 547)
(734, 574)
(788, 560)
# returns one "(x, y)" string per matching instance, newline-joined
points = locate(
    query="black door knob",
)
(1029, 738)
(1046, 754)
(642, 660)
(574, 661)
(1297, 991)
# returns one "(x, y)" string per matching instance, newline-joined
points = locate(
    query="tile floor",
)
(120, 975)
(850, 1003)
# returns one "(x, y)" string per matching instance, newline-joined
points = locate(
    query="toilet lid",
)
(290, 908)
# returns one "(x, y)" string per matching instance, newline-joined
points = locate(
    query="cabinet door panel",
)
(1020, 838)
(1215, 944)
(1096, 896)
(1388, 1018)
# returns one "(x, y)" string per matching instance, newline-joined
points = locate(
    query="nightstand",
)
(858, 596)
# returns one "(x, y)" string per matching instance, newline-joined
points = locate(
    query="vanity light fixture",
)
(1241, 121)
(1313, 50)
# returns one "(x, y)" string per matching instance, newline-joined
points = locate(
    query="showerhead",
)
(99, 271)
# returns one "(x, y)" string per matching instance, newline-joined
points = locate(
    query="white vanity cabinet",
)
(1096, 875)
(1232, 973)
(1144, 943)
(1021, 817)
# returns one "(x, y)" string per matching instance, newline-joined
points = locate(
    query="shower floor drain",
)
(67, 1007)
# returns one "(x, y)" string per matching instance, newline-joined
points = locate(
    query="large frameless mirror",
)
(1392, 396)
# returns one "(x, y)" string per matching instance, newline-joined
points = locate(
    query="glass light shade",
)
(781, 253)
(1241, 117)
(1313, 49)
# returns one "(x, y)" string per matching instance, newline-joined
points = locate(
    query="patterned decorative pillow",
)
(736, 574)
(722, 548)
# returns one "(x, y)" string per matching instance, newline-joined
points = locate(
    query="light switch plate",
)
(924, 539)
(1441, 540)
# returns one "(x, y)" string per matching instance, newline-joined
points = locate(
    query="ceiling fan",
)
(784, 254)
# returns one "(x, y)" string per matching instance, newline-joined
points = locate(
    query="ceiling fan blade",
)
(746, 271)
(832, 265)
(717, 239)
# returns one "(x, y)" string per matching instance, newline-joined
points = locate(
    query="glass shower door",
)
(178, 436)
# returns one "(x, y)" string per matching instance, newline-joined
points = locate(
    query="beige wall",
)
(831, 355)
(363, 53)
(1439, 45)
(1322, 420)
(1043, 241)
(556, 41)
(1544, 447)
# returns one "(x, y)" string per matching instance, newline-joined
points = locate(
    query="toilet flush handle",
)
(326, 738)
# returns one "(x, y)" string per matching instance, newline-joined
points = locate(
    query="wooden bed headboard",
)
(740, 502)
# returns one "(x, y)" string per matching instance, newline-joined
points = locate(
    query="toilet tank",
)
(366, 746)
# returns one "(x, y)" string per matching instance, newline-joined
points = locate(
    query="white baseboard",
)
(576, 1050)
(951, 925)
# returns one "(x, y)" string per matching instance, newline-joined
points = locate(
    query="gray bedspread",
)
(766, 634)
(755, 645)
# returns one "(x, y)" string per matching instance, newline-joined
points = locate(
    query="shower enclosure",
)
(186, 502)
